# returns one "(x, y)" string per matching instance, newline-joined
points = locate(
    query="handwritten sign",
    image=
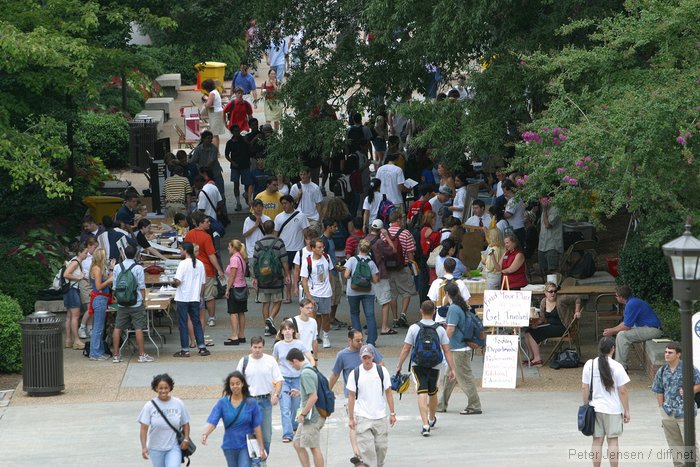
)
(507, 308)
(500, 362)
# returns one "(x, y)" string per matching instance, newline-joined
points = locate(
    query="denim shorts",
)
(71, 299)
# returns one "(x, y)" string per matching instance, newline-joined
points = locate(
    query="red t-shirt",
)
(352, 242)
(239, 113)
(416, 206)
(518, 278)
(206, 248)
(429, 242)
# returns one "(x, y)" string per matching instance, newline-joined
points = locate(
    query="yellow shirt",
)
(272, 205)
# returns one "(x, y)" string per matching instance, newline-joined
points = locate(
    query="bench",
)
(161, 103)
(170, 83)
(651, 354)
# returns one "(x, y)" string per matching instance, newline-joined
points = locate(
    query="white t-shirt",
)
(372, 207)
(445, 234)
(517, 209)
(160, 436)
(256, 235)
(371, 402)
(436, 205)
(434, 293)
(261, 374)
(293, 233)
(459, 202)
(192, 280)
(299, 259)
(502, 225)
(216, 105)
(308, 331)
(604, 401)
(310, 197)
(474, 220)
(350, 266)
(203, 203)
(499, 189)
(391, 177)
(412, 334)
(319, 282)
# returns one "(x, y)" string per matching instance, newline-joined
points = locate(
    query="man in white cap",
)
(381, 244)
(438, 201)
(368, 385)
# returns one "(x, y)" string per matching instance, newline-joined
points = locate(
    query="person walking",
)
(237, 291)
(189, 282)
(316, 282)
(265, 383)
(668, 387)
(430, 346)
(609, 397)
(358, 293)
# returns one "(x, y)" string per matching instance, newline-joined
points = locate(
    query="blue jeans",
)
(237, 457)
(169, 458)
(97, 340)
(265, 407)
(289, 406)
(368, 307)
(191, 309)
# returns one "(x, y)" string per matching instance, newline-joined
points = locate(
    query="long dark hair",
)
(245, 390)
(189, 250)
(452, 290)
(374, 186)
(447, 245)
(605, 346)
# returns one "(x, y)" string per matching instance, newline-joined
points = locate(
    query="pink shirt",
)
(237, 262)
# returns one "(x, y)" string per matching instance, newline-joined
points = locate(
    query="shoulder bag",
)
(586, 412)
(191, 448)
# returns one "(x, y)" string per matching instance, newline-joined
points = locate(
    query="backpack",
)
(127, 287)
(395, 260)
(357, 379)
(341, 189)
(386, 207)
(417, 219)
(442, 309)
(427, 351)
(355, 138)
(268, 267)
(361, 279)
(60, 283)
(474, 335)
(325, 404)
(309, 267)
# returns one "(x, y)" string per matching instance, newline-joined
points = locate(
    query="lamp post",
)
(683, 256)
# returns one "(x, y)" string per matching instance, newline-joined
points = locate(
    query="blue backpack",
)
(326, 397)
(474, 335)
(386, 207)
(427, 351)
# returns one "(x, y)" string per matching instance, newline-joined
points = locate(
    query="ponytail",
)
(452, 290)
(189, 250)
(374, 186)
(604, 348)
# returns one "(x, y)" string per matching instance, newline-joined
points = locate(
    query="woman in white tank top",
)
(216, 111)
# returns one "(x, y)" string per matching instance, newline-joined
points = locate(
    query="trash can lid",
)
(40, 317)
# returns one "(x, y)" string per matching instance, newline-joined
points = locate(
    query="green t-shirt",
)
(309, 385)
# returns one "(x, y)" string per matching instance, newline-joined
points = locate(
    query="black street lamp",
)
(683, 256)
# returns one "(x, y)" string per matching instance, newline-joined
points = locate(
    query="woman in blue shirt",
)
(449, 250)
(241, 417)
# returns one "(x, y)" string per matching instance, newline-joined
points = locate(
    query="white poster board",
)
(507, 308)
(695, 320)
(191, 116)
(500, 362)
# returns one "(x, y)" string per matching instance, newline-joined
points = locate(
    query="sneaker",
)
(425, 432)
(402, 321)
(101, 358)
(326, 341)
(82, 332)
(211, 322)
(267, 332)
(238, 207)
(204, 352)
(145, 358)
(432, 422)
(271, 326)
(117, 359)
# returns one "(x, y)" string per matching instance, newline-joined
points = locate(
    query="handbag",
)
(179, 436)
(240, 294)
(586, 412)
(220, 289)
(433, 256)
(567, 358)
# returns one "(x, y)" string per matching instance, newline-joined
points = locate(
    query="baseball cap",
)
(377, 224)
(446, 190)
(366, 350)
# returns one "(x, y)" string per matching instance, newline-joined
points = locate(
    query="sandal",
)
(209, 343)
(536, 363)
(204, 352)
(181, 354)
(231, 342)
(469, 411)
(192, 346)
(286, 440)
(390, 331)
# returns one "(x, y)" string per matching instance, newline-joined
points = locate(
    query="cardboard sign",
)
(500, 362)
(507, 308)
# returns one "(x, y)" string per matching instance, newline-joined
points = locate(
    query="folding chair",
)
(613, 315)
(182, 139)
(570, 335)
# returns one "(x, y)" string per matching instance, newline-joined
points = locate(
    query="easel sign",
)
(500, 362)
(507, 308)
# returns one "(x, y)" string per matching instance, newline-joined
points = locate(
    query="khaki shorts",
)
(609, 425)
(401, 283)
(382, 291)
(308, 434)
(131, 318)
(210, 289)
(337, 287)
(270, 297)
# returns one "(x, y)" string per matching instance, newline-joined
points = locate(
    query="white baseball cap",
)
(377, 224)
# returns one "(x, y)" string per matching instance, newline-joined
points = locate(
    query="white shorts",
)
(382, 291)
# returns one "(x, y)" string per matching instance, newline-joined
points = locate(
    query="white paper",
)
(500, 362)
(507, 308)
(253, 446)
(410, 183)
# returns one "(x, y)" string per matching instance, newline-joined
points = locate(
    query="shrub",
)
(645, 271)
(104, 135)
(670, 316)
(10, 335)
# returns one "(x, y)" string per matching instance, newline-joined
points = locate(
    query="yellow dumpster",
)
(101, 206)
(211, 70)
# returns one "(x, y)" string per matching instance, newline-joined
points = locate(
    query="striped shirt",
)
(408, 245)
(175, 188)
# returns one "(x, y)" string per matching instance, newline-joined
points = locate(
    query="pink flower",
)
(688, 134)
(544, 201)
(562, 137)
(556, 141)
(547, 129)
(519, 181)
(561, 170)
(585, 167)
(555, 131)
(531, 137)
(566, 179)
(579, 163)
(525, 177)
(680, 140)
(587, 158)
(573, 181)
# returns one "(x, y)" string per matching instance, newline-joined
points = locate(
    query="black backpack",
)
(427, 350)
(357, 379)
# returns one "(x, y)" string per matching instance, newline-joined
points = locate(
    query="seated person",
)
(639, 324)
(556, 314)
(181, 224)
(450, 249)
(141, 213)
(143, 230)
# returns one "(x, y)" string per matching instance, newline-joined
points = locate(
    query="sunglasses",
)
(551, 291)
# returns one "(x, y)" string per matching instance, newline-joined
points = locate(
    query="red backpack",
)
(395, 260)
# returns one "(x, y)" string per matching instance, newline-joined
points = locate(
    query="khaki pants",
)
(673, 430)
(463, 377)
(372, 439)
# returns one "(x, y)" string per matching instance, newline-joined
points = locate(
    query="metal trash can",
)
(143, 134)
(42, 354)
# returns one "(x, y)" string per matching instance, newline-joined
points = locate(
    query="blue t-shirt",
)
(639, 313)
(247, 82)
(455, 317)
(280, 351)
(247, 421)
(347, 360)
